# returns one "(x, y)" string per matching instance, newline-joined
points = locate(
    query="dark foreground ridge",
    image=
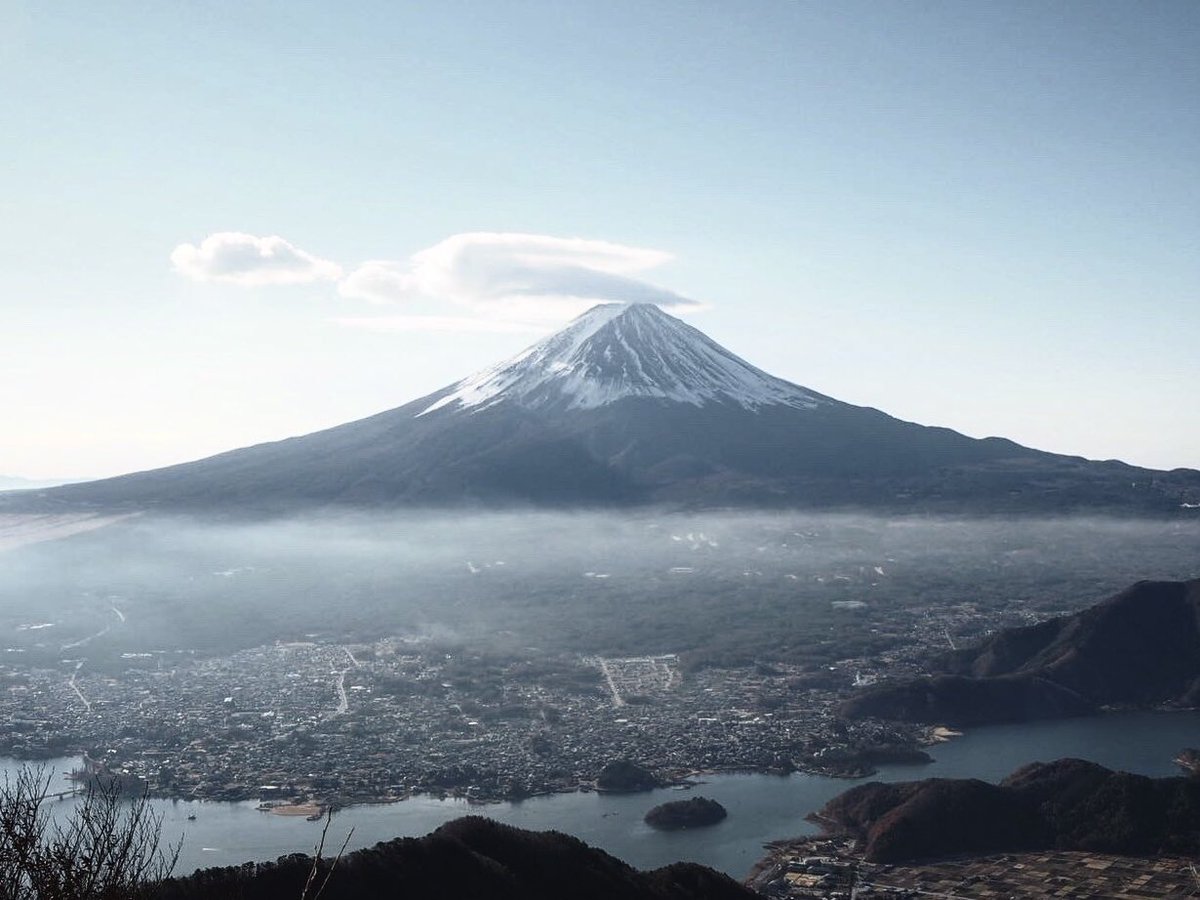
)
(1138, 648)
(467, 858)
(1070, 804)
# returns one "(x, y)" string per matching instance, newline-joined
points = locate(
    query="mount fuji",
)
(628, 405)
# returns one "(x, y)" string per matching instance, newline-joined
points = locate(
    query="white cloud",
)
(377, 281)
(500, 282)
(516, 277)
(245, 259)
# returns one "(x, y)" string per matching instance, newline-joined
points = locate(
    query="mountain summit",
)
(628, 405)
(615, 351)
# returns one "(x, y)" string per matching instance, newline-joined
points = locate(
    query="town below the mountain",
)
(324, 725)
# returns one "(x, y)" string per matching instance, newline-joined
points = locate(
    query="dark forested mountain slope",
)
(1070, 804)
(467, 858)
(1140, 647)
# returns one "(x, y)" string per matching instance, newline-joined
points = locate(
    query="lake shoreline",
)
(683, 778)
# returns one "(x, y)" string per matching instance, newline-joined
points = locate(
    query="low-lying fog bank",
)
(731, 586)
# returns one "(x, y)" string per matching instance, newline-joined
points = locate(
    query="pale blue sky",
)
(979, 215)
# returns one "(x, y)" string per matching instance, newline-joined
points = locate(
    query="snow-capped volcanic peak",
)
(614, 351)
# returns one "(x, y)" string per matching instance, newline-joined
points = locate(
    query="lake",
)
(761, 807)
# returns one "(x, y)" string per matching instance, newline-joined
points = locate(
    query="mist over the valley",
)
(717, 588)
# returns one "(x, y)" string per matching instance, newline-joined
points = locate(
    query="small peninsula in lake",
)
(697, 812)
(624, 776)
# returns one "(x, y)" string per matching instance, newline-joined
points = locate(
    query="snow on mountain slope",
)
(614, 351)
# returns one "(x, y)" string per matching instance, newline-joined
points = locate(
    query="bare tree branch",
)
(107, 848)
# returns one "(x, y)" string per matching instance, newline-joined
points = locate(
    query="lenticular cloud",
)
(527, 275)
